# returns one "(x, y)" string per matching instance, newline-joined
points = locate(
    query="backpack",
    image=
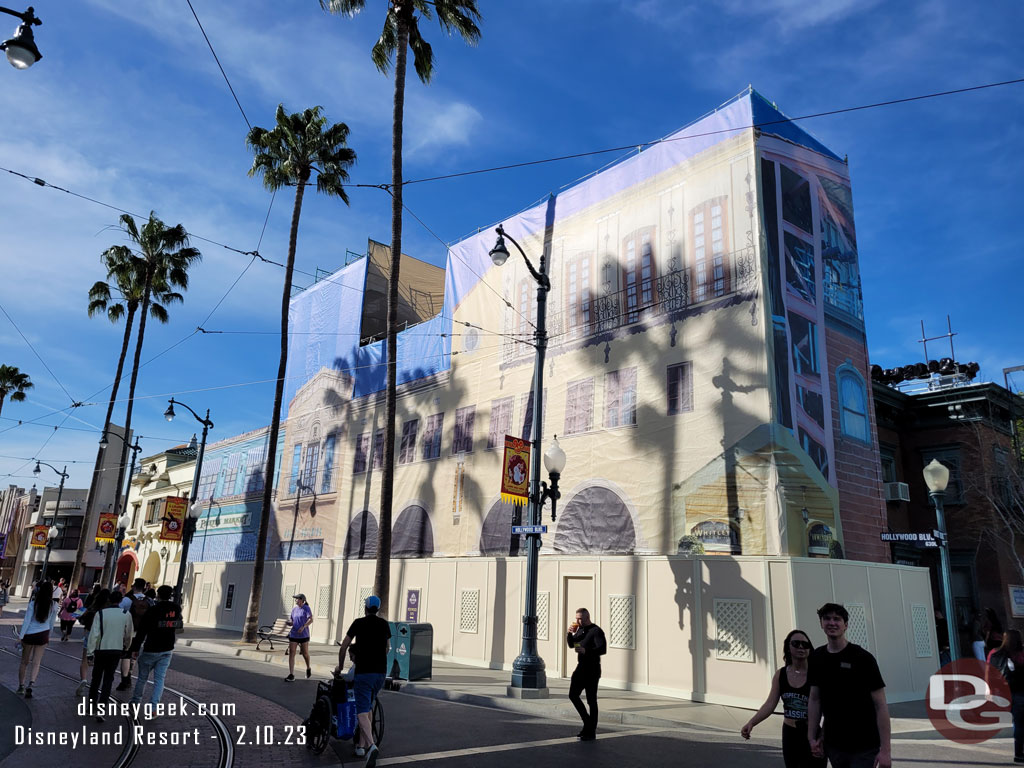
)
(138, 610)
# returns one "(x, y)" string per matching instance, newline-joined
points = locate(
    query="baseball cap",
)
(373, 602)
(299, 596)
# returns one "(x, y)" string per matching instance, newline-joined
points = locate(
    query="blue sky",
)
(128, 107)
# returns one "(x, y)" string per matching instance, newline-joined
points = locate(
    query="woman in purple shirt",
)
(301, 618)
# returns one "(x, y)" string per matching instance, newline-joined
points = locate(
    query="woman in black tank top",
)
(790, 685)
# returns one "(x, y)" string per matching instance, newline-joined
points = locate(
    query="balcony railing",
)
(664, 296)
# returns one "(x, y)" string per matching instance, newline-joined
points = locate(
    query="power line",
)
(38, 356)
(643, 144)
(215, 58)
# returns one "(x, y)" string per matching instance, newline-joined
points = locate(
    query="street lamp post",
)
(163, 556)
(21, 49)
(195, 507)
(108, 567)
(936, 476)
(528, 676)
(56, 510)
(51, 534)
(122, 525)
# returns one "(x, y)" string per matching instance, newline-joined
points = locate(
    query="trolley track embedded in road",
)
(131, 750)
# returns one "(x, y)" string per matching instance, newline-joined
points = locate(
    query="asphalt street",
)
(418, 730)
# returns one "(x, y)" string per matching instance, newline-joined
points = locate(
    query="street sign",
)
(939, 535)
(919, 540)
(529, 529)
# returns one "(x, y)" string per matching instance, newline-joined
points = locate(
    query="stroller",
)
(326, 718)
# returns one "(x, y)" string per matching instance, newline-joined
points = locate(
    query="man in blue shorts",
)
(372, 636)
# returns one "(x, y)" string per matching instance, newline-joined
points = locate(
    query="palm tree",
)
(288, 154)
(160, 257)
(119, 298)
(401, 32)
(14, 383)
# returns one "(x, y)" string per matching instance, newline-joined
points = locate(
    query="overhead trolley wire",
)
(641, 145)
(38, 356)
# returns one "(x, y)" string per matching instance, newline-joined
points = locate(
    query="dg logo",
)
(969, 701)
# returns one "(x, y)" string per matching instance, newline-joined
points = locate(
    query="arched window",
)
(361, 539)
(412, 535)
(853, 403)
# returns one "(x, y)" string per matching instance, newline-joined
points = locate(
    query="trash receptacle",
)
(412, 647)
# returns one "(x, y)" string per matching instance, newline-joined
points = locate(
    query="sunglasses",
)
(800, 644)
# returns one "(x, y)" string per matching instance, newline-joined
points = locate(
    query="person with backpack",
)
(1008, 658)
(98, 600)
(69, 609)
(136, 604)
(154, 643)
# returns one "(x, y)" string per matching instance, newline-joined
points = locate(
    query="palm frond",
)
(422, 53)
(386, 44)
(343, 7)
(459, 16)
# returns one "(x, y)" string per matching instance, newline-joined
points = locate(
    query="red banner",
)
(106, 528)
(39, 535)
(515, 471)
(174, 518)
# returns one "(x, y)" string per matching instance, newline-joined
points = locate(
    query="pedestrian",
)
(993, 632)
(69, 614)
(587, 640)
(298, 637)
(154, 643)
(5, 590)
(99, 601)
(96, 589)
(372, 637)
(847, 688)
(35, 634)
(790, 684)
(136, 604)
(1008, 658)
(58, 592)
(109, 638)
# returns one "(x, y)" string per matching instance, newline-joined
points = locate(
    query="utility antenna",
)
(948, 334)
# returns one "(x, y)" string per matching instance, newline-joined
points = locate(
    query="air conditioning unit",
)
(897, 492)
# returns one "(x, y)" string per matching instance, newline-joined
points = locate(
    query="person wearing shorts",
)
(34, 636)
(298, 638)
(372, 637)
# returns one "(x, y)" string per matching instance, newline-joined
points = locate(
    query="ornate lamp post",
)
(936, 476)
(108, 567)
(21, 49)
(56, 510)
(122, 525)
(195, 506)
(51, 534)
(529, 679)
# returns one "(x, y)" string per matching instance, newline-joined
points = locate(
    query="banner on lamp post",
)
(515, 471)
(106, 528)
(173, 526)
(39, 535)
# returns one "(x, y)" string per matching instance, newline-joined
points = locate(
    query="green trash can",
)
(411, 654)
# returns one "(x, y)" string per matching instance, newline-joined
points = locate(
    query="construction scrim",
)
(705, 373)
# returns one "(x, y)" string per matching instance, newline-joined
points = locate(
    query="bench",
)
(270, 632)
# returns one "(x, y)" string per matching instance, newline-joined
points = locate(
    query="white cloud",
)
(434, 127)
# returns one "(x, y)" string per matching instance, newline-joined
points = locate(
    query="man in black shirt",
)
(373, 641)
(155, 638)
(848, 689)
(587, 640)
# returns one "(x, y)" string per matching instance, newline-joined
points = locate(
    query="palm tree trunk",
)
(252, 617)
(97, 470)
(382, 578)
(3, 396)
(144, 311)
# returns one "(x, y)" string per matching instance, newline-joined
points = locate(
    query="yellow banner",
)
(174, 518)
(106, 528)
(39, 535)
(515, 471)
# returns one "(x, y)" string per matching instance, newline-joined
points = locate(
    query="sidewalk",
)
(487, 687)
